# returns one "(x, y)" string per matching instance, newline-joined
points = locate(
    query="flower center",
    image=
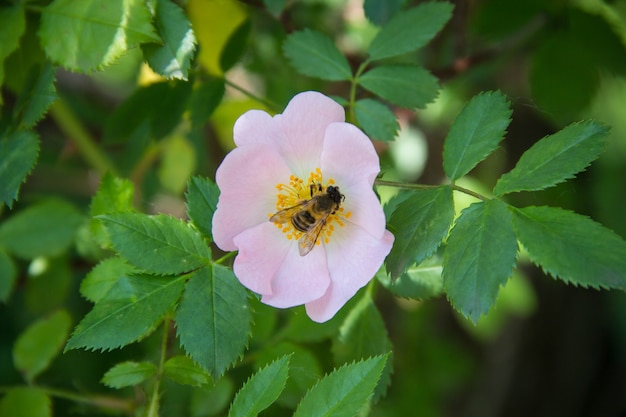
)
(309, 211)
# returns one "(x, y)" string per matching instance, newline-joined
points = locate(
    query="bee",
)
(310, 216)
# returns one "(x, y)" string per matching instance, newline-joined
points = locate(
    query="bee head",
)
(334, 194)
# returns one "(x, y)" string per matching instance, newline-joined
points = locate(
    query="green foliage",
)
(44, 229)
(204, 100)
(420, 281)
(555, 158)
(13, 23)
(172, 58)
(479, 257)
(315, 55)
(344, 391)
(18, 153)
(25, 402)
(103, 276)
(213, 319)
(404, 85)
(37, 96)
(380, 11)
(476, 132)
(419, 224)
(376, 119)
(40, 343)
(261, 390)
(127, 374)
(172, 245)
(202, 197)
(572, 247)
(72, 38)
(141, 300)
(183, 370)
(8, 274)
(410, 30)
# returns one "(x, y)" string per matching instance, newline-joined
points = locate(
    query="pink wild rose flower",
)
(297, 203)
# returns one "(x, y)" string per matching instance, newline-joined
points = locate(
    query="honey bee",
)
(310, 216)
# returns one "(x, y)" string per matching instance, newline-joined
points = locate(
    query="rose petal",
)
(354, 257)
(247, 179)
(300, 279)
(304, 124)
(256, 126)
(262, 251)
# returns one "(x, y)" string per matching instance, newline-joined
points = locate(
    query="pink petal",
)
(300, 279)
(262, 251)
(256, 126)
(247, 179)
(354, 257)
(351, 160)
(304, 124)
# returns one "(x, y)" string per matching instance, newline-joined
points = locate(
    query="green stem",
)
(226, 257)
(153, 407)
(353, 85)
(76, 132)
(269, 104)
(455, 187)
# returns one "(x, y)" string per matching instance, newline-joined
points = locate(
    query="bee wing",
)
(307, 241)
(285, 215)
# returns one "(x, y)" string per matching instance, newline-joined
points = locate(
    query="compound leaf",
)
(475, 133)
(479, 257)
(314, 54)
(404, 85)
(572, 247)
(555, 158)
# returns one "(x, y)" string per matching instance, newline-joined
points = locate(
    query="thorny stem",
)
(455, 187)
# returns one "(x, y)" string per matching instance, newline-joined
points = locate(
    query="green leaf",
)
(13, 24)
(410, 30)
(204, 100)
(37, 96)
(376, 119)
(380, 11)
(131, 310)
(114, 195)
(150, 112)
(44, 229)
(261, 389)
(314, 54)
(363, 334)
(236, 46)
(18, 154)
(40, 343)
(572, 247)
(183, 370)
(8, 275)
(405, 85)
(172, 58)
(157, 244)
(128, 374)
(213, 319)
(25, 402)
(178, 162)
(419, 223)
(479, 257)
(475, 133)
(555, 158)
(102, 277)
(419, 282)
(202, 195)
(73, 37)
(343, 392)
(275, 7)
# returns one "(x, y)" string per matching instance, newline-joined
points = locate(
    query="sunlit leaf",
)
(314, 54)
(572, 247)
(18, 154)
(479, 257)
(419, 223)
(157, 244)
(213, 319)
(404, 85)
(172, 58)
(261, 389)
(344, 391)
(114, 195)
(43, 229)
(475, 133)
(183, 370)
(410, 30)
(40, 343)
(73, 38)
(202, 195)
(131, 310)
(376, 119)
(555, 158)
(128, 374)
